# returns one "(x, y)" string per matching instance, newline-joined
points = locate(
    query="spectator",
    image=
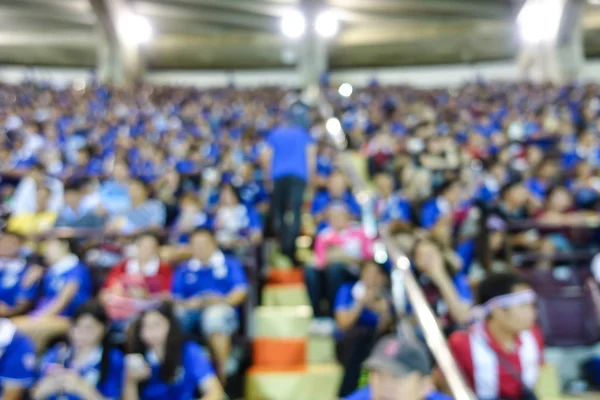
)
(398, 371)
(34, 223)
(442, 205)
(114, 196)
(210, 287)
(191, 216)
(74, 212)
(447, 290)
(290, 163)
(162, 365)
(337, 191)
(363, 311)
(19, 285)
(25, 199)
(146, 213)
(86, 367)
(252, 192)
(17, 362)
(339, 250)
(390, 207)
(137, 282)
(66, 285)
(501, 355)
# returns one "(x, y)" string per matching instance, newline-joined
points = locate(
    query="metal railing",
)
(404, 283)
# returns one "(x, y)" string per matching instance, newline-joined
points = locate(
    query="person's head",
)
(512, 318)
(514, 194)
(498, 171)
(189, 203)
(10, 244)
(73, 194)
(203, 244)
(229, 196)
(399, 370)
(84, 155)
(146, 246)
(56, 249)
(120, 171)
(384, 183)
(426, 253)
(138, 191)
(338, 216)
(336, 184)
(451, 191)
(42, 197)
(247, 172)
(158, 330)
(548, 170)
(89, 328)
(559, 199)
(372, 274)
(37, 172)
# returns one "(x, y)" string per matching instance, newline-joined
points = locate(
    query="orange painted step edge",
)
(257, 370)
(286, 276)
(279, 353)
(286, 285)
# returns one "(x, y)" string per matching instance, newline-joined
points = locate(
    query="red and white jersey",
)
(476, 353)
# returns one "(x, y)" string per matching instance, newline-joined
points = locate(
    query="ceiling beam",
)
(474, 8)
(257, 7)
(227, 18)
(11, 12)
(59, 39)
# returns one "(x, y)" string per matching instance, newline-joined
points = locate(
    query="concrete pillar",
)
(558, 60)
(313, 50)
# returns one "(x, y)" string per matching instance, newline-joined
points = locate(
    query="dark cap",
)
(399, 357)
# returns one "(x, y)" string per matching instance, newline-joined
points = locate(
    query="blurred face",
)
(338, 218)
(203, 246)
(137, 191)
(55, 250)
(518, 195)
(426, 255)
(10, 246)
(516, 319)
(228, 197)
(337, 184)
(371, 276)
(388, 386)
(154, 330)
(147, 247)
(384, 184)
(560, 200)
(86, 332)
(72, 198)
(121, 172)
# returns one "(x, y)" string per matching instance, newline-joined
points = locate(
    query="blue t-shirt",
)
(196, 369)
(12, 288)
(289, 146)
(58, 276)
(223, 274)
(253, 193)
(432, 211)
(17, 360)
(397, 208)
(110, 388)
(365, 394)
(345, 300)
(323, 199)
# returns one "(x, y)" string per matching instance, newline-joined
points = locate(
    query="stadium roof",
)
(245, 33)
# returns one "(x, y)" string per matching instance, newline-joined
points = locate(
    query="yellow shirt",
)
(29, 224)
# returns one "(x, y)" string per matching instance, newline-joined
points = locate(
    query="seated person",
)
(86, 367)
(505, 334)
(363, 311)
(34, 223)
(66, 286)
(162, 365)
(19, 282)
(398, 370)
(390, 207)
(237, 226)
(191, 216)
(447, 290)
(137, 282)
(209, 288)
(145, 212)
(339, 250)
(75, 212)
(337, 191)
(17, 362)
(448, 196)
(252, 192)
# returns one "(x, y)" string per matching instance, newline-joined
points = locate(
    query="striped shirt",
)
(150, 214)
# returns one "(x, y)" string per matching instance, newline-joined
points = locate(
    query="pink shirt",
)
(352, 240)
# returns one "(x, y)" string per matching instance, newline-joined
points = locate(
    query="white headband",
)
(507, 300)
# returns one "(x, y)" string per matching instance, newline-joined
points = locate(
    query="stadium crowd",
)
(136, 219)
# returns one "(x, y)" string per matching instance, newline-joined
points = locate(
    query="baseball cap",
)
(400, 357)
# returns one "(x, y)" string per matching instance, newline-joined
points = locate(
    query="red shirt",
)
(477, 355)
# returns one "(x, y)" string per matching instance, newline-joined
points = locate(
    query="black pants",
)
(352, 350)
(288, 194)
(326, 282)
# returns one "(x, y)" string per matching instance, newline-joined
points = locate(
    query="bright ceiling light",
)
(327, 24)
(539, 20)
(333, 126)
(293, 24)
(345, 90)
(134, 29)
(594, 2)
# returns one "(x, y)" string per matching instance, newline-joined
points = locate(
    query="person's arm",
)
(78, 386)
(265, 158)
(236, 297)
(311, 161)
(320, 251)
(212, 389)
(131, 391)
(13, 393)
(347, 310)
(457, 307)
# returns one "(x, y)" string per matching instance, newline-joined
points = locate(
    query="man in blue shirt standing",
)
(290, 162)
(398, 370)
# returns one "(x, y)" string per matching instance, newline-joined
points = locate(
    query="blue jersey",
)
(66, 271)
(112, 385)
(223, 274)
(12, 288)
(289, 145)
(17, 358)
(323, 199)
(192, 375)
(365, 394)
